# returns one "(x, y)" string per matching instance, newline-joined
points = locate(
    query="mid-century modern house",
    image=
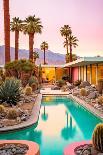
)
(87, 69)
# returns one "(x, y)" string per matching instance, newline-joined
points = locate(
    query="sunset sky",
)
(84, 16)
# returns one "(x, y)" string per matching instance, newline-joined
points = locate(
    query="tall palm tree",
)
(65, 32)
(32, 25)
(44, 47)
(16, 26)
(7, 30)
(72, 42)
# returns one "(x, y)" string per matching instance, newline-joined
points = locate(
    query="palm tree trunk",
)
(70, 52)
(16, 44)
(67, 45)
(7, 30)
(44, 57)
(31, 42)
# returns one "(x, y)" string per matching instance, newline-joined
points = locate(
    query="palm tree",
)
(16, 26)
(65, 32)
(32, 25)
(35, 56)
(72, 42)
(7, 30)
(44, 47)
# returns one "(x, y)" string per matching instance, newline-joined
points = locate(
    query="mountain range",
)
(51, 57)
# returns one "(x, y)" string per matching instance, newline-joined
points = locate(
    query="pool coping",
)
(31, 121)
(87, 106)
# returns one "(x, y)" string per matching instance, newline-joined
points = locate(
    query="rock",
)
(84, 84)
(86, 152)
(92, 95)
(18, 119)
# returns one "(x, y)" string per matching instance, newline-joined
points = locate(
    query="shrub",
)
(15, 68)
(77, 82)
(60, 83)
(100, 86)
(28, 90)
(83, 92)
(12, 114)
(34, 86)
(66, 78)
(10, 91)
(32, 80)
(2, 109)
(97, 138)
(100, 100)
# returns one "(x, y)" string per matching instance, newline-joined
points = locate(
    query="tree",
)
(44, 47)
(16, 26)
(72, 42)
(7, 30)
(65, 32)
(35, 56)
(32, 25)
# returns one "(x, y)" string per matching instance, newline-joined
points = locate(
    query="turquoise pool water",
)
(61, 121)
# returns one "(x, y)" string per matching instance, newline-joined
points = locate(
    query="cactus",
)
(100, 100)
(34, 86)
(12, 114)
(97, 138)
(10, 91)
(2, 109)
(83, 92)
(28, 90)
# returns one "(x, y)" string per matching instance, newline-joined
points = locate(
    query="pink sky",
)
(84, 16)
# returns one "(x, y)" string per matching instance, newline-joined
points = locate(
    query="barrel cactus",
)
(97, 138)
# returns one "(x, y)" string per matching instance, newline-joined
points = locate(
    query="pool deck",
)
(49, 91)
(31, 121)
(69, 150)
(33, 147)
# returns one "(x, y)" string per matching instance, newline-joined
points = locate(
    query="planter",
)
(69, 150)
(33, 147)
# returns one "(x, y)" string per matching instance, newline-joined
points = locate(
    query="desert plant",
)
(28, 90)
(32, 80)
(34, 86)
(10, 91)
(12, 114)
(2, 109)
(97, 138)
(83, 92)
(100, 100)
(77, 82)
(100, 86)
(60, 83)
(66, 78)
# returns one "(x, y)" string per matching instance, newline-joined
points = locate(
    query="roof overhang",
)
(85, 61)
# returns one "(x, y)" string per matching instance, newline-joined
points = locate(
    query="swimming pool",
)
(61, 121)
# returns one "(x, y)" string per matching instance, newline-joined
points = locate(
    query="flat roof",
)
(85, 61)
(79, 62)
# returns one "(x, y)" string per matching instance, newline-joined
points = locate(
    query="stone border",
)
(69, 150)
(88, 107)
(31, 121)
(33, 147)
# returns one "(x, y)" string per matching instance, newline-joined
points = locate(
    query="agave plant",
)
(10, 91)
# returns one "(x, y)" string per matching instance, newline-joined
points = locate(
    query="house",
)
(86, 69)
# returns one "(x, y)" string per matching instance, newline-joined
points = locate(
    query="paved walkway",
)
(49, 91)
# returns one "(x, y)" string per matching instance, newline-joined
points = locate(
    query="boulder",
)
(92, 95)
(84, 84)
